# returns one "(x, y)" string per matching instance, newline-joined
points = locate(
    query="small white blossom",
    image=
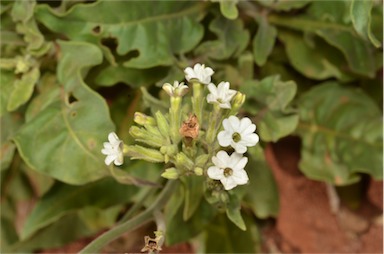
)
(199, 73)
(220, 94)
(229, 169)
(114, 150)
(238, 133)
(177, 89)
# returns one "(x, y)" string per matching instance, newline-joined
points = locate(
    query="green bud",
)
(198, 171)
(237, 102)
(201, 160)
(143, 153)
(170, 173)
(144, 136)
(162, 125)
(183, 161)
(169, 150)
(143, 119)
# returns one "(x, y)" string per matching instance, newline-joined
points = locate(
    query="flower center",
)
(236, 137)
(228, 172)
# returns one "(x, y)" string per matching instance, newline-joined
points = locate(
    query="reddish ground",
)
(305, 223)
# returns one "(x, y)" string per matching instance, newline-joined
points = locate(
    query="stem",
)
(212, 127)
(133, 223)
(197, 101)
(175, 119)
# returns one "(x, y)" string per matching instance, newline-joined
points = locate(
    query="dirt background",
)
(306, 223)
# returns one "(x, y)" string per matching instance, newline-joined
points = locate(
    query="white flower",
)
(238, 134)
(177, 89)
(220, 94)
(199, 73)
(114, 150)
(229, 169)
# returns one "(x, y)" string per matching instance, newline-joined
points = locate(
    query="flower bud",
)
(142, 135)
(162, 125)
(183, 161)
(143, 119)
(170, 173)
(198, 171)
(143, 153)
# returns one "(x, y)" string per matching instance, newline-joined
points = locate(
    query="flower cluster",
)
(213, 139)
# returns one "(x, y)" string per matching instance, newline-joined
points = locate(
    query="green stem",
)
(133, 223)
(175, 119)
(212, 126)
(197, 101)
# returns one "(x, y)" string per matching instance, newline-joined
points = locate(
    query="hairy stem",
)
(133, 223)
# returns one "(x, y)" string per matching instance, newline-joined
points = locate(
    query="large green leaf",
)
(232, 39)
(65, 138)
(193, 189)
(357, 51)
(317, 61)
(62, 199)
(7, 79)
(9, 125)
(66, 230)
(262, 194)
(361, 18)
(269, 101)
(341, 130)
(111, 75)
(222, 236)
(146, 34)
(263, 41)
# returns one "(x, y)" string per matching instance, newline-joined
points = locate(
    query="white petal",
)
(239, 148)
(225, 105)
(112, 138)
(224, 138)
(240, 164)
(108, 160)
(244, 124)
(240, 176)
(227, 126)
(215, 173)
(212, 89)
(211, 98)
(221, 159)
(119, 160)
(234, 122)
(228, 182)
(106, 151)
(230, 94)
(251, 139)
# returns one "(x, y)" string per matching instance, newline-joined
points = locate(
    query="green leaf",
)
(358, 53)
(63, 198)
(341, 130)
(228, 8)
(233, 210)
(23, 89)
(193, 189)
(97, 218)
(74, 126)
(174, 203)
(361, 19)
(9, 124)
(7, 79)
(135, 78)
(232, 39)
(23, 14)
(262, 194)
(190, 228)
(318, 61)
(66, 230)
(284, 5)
(224, 237)
(145, 35)
(269, 101)
(263, 41)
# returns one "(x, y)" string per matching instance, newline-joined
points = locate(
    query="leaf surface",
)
(341, 130)
(147, 36)
(64, 139)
